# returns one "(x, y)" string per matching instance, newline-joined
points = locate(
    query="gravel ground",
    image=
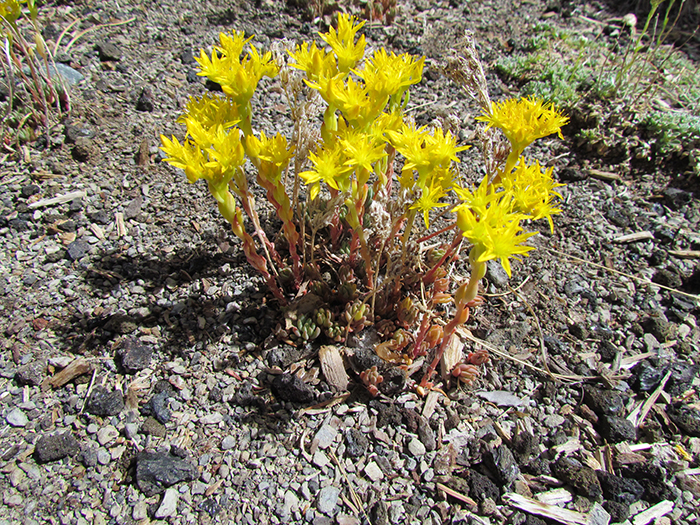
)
(139, 383)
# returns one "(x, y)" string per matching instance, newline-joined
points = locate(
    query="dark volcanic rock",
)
(356, 443)
(481, 487)
(579, 476)
(288, 387)
(153, 427)
(603, 402)
(109, 52)
(616, 429)
(387, 414)
(619, 512)
(145, 101)
(501, 462)
(103, 402)
(619, 489)
(652, 478)
(55, 447)
(687, 418)
(135, 356)
(155, 471)
(32, 373)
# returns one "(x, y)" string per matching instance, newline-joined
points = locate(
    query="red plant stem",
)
(278, 198)
(430, 236)
(430, 276)
(461, 316)
(420, 336)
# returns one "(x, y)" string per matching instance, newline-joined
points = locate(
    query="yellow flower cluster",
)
(238, 77)
(364, 121)
(490, 216)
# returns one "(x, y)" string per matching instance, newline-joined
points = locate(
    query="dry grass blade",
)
(356, 501)
(457, 495)
(623, 274)
(637, 416)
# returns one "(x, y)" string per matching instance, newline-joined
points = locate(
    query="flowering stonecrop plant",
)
(351, 254)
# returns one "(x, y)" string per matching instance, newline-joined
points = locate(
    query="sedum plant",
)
(357, 198)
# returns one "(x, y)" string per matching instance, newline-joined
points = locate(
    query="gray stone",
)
(16, 418)
(77, 249)
(228, 443)
(55, 447)
(326, 436)
(158, 406)
(328, 500)
(168, 506)
(103, 456)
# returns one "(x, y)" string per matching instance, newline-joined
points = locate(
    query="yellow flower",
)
(210, 111)
(270, 149)
(342, 41)
(238, 78)
(386, 75)
(496, 232)
(10, 10)
(315, 62)
(524, 121)
(423, 152)
(361, 150)
(533, 190)
(329, 167)
(430, 199)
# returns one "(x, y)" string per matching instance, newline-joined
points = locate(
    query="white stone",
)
(107, 434)
(416, 448)
(16, 418)
(373, 471)
(320, 459)
(140, 511)
(168, 506)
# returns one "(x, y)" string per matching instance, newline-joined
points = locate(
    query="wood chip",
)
(685, 254)
(603, 175)
(143, 156)
(58, 199)
(119, 221)
(634, 237)
(457, 495)
(430, 404)
(213, 488)
(597, 516)
(98, 231)
(555, 497)
(452, 356)
(333, 367)
(652, 513)
(76, 368)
